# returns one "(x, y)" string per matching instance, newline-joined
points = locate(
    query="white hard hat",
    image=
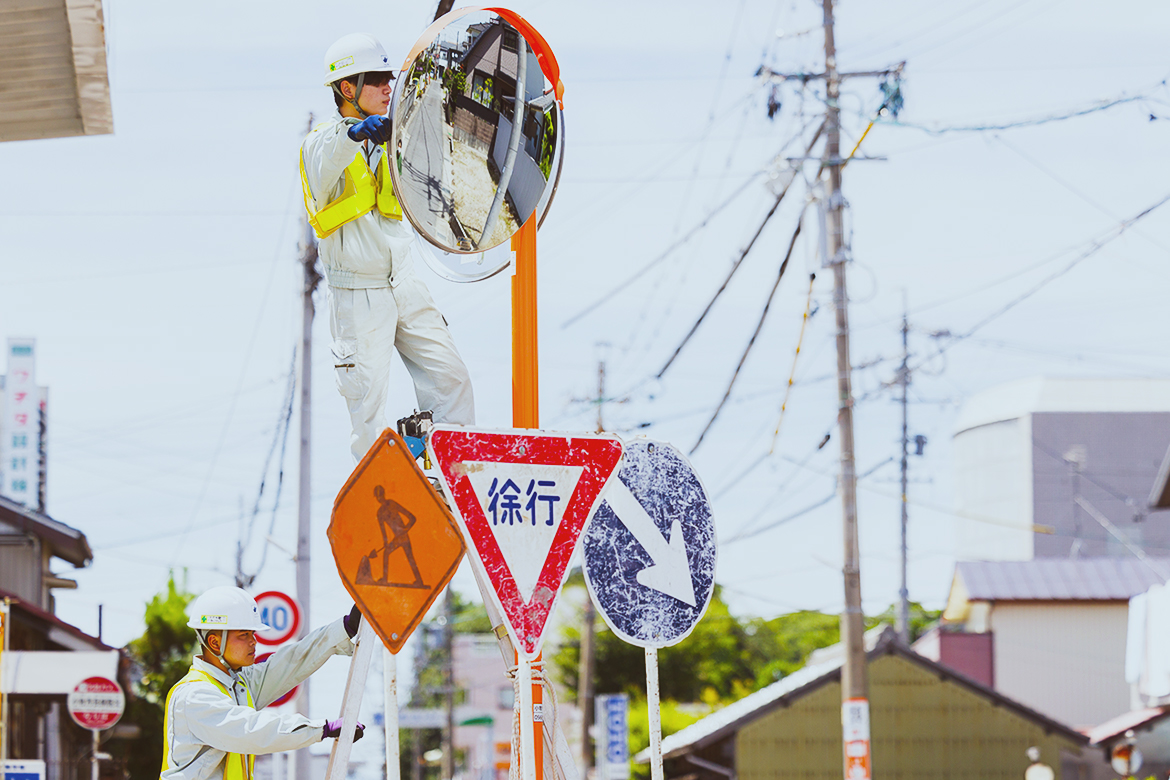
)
(225, 609)
(353, 54)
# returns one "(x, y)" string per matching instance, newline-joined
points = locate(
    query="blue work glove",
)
(333, 730)
(352, 621)
(374, 128)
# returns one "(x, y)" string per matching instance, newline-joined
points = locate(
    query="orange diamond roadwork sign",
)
(395, 542)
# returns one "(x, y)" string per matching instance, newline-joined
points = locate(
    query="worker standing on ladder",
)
(214, 724)
(376, 303)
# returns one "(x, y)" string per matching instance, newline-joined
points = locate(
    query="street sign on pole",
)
(281, 612)
(96, 703)
(649, 554)
(522, 499)
(394, 540)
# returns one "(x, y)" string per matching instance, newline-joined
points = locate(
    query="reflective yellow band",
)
(361, 192)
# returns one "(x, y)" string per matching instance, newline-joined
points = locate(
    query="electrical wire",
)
(1095, 246)
(281, 436)
(1102, 106)
(755, 333)
(665, 254)
(742, 255)
(796, 355)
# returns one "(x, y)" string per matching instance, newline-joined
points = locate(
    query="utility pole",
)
(854, 683)
(304, 528)
(903, 620)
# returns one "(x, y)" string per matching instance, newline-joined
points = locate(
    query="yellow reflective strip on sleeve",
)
(358, 196)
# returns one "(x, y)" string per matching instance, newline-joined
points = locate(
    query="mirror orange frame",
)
(540, 47)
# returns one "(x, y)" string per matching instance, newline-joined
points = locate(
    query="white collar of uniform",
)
(214, 671)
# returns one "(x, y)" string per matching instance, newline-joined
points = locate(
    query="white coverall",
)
(377, 303)
(203, 726)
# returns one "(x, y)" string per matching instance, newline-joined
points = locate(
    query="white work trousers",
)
(367, 325)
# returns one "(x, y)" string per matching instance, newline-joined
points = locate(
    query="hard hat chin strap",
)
(357, 93)
(203, 635)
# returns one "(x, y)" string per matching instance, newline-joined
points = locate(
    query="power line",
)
(665, 254)
(281, 437)
(1060, 117)
(755, 333)
(742, 255)
(1095, 246)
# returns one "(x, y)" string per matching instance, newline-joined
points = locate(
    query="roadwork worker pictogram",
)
(395, 522)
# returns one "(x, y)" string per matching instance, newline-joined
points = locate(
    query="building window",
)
(511, 40)
(507, 698)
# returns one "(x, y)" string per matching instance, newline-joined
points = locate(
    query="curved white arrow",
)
(671, 572)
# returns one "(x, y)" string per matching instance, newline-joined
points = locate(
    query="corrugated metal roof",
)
(881, 639)
(53, 80)
(1060, 579)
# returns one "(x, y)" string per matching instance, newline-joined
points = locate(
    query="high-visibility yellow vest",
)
(235, 765)
(363, 191)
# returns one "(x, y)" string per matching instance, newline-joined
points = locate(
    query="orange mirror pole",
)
(525, 363)
(526, 412)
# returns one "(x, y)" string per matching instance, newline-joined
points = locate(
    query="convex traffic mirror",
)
(477, 136)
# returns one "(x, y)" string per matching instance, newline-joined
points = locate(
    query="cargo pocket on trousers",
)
(345, 364)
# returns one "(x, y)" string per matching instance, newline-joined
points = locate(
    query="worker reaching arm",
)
(376, 302)
(214, 724)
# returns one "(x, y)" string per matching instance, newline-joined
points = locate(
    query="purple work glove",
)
(333, 730)
(352, 621)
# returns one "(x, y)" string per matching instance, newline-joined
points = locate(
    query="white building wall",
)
(993, 491)
(1066, 660)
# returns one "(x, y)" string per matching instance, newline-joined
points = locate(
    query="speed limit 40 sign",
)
(282, 613)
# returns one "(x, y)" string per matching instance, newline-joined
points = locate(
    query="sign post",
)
(96, 703)
(649, 560)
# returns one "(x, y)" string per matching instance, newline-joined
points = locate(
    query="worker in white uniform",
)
(214, 723)
(376, 303)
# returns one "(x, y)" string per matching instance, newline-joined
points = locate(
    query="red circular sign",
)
(96, 703)
(288, 696)
(282, 613)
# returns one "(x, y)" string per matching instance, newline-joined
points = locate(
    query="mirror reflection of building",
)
(377, 304)
(478, 131)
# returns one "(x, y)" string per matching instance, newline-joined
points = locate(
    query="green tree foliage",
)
(161, 656)
(724, 659)
(921, 619)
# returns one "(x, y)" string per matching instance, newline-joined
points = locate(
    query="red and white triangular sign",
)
(523, 499)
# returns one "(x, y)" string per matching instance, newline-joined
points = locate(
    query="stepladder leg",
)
(351, 703)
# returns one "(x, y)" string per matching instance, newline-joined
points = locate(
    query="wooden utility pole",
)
(903, 620)
(854, 683)
(304, 532)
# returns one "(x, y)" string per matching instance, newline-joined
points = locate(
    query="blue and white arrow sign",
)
(650, 549)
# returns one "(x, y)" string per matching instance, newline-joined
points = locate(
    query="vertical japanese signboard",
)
(611, 714)
(855, 724)
(20, 428)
